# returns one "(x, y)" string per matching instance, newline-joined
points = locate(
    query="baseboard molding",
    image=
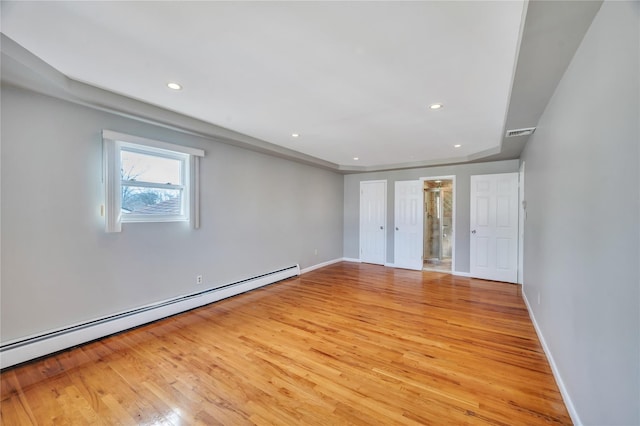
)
(390, 265)
(351, 259)
(28, 348)
(461, 274)
(320, 265)
(575, 418)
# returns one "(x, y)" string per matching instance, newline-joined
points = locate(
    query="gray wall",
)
(582, 228)
(461, 233)
(259, 213)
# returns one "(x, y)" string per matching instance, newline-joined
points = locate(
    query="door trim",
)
(453, 220)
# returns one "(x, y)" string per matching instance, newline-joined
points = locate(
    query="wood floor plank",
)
(345, 344)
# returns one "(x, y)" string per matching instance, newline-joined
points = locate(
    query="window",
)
(153, 184)
(149, 181)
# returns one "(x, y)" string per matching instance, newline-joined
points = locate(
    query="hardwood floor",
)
(346, 344)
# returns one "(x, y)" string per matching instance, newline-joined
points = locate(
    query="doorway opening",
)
(438, 224)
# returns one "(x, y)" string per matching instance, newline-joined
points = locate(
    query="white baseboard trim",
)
(321, 265)
(575, 418)
(28, 348)
(351, 259)
(461, 274)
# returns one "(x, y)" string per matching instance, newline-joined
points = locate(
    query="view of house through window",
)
(149, 181)
(152, 184)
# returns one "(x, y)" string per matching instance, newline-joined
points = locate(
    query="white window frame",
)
(113, 144)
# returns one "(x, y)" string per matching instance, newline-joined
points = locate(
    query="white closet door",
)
(408, 241)
(494, 227)
(373, 221)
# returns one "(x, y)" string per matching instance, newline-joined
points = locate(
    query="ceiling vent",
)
(520, 132)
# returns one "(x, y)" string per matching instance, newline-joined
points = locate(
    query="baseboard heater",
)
(26, 349)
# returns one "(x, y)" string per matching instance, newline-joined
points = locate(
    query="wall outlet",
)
(315, 251)
(538, 298)
(198, 279)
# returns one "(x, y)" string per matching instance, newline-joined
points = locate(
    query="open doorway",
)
(438, 224)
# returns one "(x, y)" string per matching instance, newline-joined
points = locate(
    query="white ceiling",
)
(354, 79)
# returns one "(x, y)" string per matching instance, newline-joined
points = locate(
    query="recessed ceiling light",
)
(356, 158)
(435, 106)
(174, 86)
(457, 146)
(295, 135)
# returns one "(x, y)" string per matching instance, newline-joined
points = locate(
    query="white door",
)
(408, 241)
(494, 227)
(522, 215)
(373, 221)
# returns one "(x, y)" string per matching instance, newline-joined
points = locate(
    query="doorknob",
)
(397, 228)
(473, 232)
(381, 227)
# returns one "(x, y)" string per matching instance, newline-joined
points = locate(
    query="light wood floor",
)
(346, 344)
